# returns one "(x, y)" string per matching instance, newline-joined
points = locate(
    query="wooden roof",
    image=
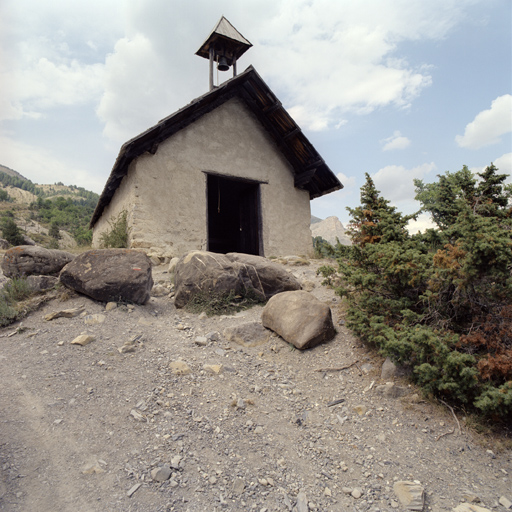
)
(225, 35)
(310, 170)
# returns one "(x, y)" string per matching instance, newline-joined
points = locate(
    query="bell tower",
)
(224, 46)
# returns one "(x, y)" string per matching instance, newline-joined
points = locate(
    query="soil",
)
(83, 427)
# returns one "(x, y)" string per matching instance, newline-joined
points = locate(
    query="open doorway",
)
(233, 215)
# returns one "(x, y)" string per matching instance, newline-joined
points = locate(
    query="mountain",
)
(12, 172)
(331, 230)
(314, 219)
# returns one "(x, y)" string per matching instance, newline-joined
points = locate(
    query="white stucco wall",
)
(165, 193)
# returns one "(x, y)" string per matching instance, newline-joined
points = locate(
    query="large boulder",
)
(245, 275)
(106, 275)
(266, 278)
(299, 318)
(28, 260)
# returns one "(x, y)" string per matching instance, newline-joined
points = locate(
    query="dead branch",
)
(453, 413)
(445, 434)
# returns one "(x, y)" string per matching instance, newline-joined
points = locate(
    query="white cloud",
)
(396, 141)
(489, 125)
(395, 183)
(422, 223)
(44, 167)
(504, 164)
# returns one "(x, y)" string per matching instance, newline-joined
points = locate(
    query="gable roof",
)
(310, 171)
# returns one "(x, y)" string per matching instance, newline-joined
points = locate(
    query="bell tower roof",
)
(224, 37)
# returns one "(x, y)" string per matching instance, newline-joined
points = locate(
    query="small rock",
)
(133, 490)
(94, 319)
(161, 474)
(327, 492)
(137, 415)
(238, 486)
(180, 368)
(110, 306)
(83, 339)
(201, 341)
(360, 409)
(388, 370)
(159, 290)
(92, 469)
(390, 390)
(63, 313)
(505, 502)
(302, 502)
(410, 494)
(214, 369)
(469, 507)
(356, 493)
(258, 430)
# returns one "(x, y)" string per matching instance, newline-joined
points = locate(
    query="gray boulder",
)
(41, 283)
(4, 244)
(264, 277)
(28, 260)
(299, 318)
(242, 274)
(121, 275)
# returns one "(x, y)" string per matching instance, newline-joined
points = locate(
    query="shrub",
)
(117, 236)
(440, 303)
(13, 292)
(11, 232)
(215, 303)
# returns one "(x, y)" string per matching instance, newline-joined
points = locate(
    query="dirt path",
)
(82, 428)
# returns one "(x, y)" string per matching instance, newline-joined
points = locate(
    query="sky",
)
(398, 89)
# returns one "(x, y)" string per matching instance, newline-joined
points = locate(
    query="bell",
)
(223, 64)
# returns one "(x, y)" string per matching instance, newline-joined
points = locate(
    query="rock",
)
(159, 290)
(302, 502)
(172, 265)
(360, 409)
(356, 493)
(64, 313)
(388, 370)
(390, 390)
(95, 319)
(201, 341)
(4, 244)
(42, 283)
(264, 277)
(110, 275)
(161, 474)
(469, 507)
(505, 502)
(27, 240)
(241, 274)
(299, 318)
(110, 306)
(238, 486)
(27, 260)
(133, 490)
(213, 368)
(250, 334)
(83, 339)
(410, 494)
(180, 368)
(308, 285)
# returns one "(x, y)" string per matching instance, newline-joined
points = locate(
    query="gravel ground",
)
(88, 428)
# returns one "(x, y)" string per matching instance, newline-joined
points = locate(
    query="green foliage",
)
(440, 302)
(215, 303)
(10, 231)
(54, 231)
(328, 273)
(4, 196)
(117, 236)
(13, 292)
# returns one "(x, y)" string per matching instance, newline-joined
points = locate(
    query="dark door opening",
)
(233, 215)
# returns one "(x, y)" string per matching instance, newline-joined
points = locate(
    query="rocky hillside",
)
(331, 230)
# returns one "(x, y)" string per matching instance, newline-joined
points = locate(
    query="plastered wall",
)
(165, 193)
